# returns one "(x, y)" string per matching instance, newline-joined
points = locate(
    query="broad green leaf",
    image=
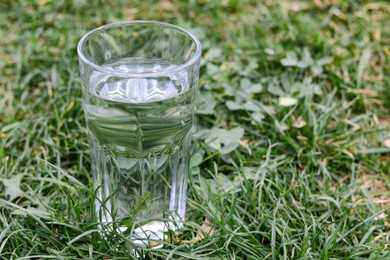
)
(195, 170)
(224, 140)
(298, 89)
(324, 61)
(275, 89)
(307, 60)
(229, 89)
(316, 89)
(42, 213)
(226, 184)
(202, 133)
(229, 147)
(236, 133)
(196, 159)
(212, 69)
(198, 32)
(214, 143)
(288, 62)
(206, 104)
(233, 105)
(302, 64)
(143, 202)
(254, 89)
(213, 53)
(12, 186)
(245, 83)
(258, 117)
(250, 173)
(269, 51)
(249, 68)
(270, 110)
(317, 70)
(250, 106)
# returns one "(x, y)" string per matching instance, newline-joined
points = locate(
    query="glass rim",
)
(194, 58)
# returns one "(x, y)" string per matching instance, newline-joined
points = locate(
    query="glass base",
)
(149, 235)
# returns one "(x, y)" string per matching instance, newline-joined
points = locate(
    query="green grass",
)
(306, 82)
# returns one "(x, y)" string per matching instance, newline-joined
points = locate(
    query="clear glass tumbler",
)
(139, 81)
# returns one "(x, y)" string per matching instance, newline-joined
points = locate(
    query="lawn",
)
(291, 149)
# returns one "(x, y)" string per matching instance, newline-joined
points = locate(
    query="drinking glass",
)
(139, 82)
